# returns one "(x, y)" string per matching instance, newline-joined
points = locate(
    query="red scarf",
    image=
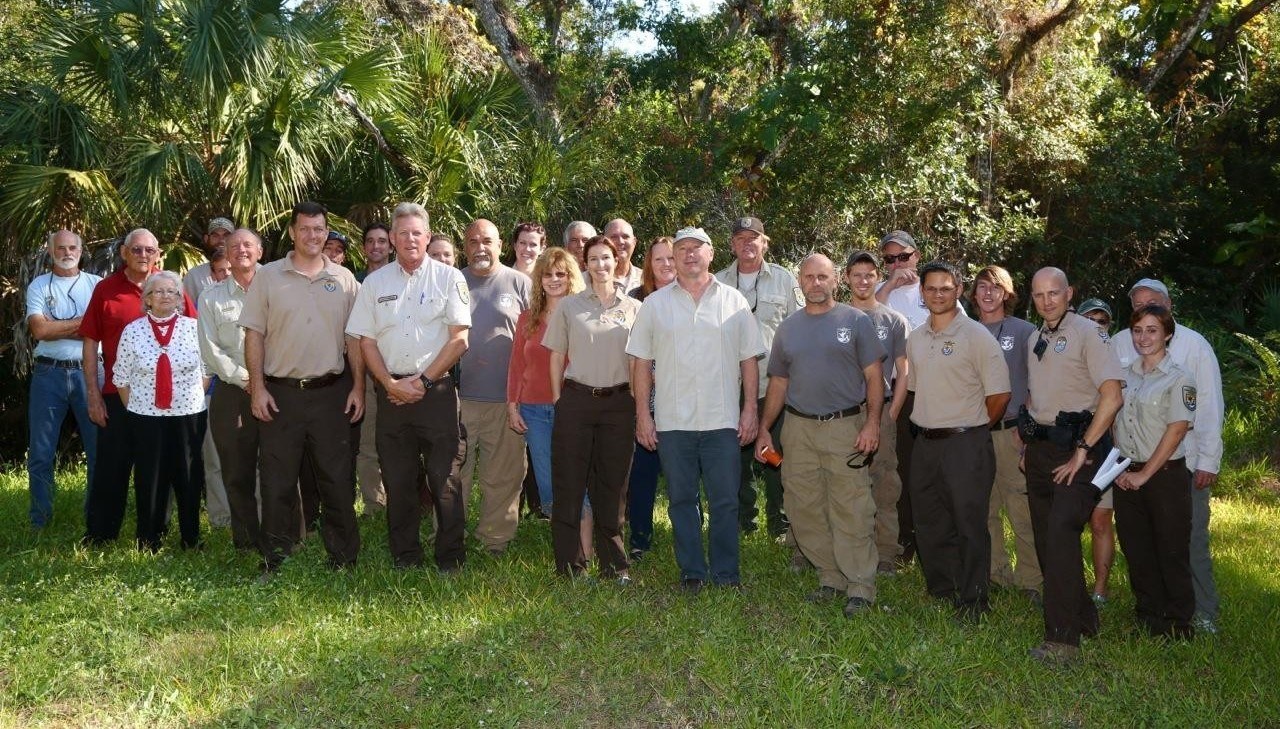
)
(164, 370)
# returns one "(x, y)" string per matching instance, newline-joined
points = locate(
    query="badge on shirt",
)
(1060, 346)
(1006, 342)
(948, 348)
(330, 285)
(1102, 334)
(882, 332)
(796, 292)
(506, 301)
(844, 335)
(464, 293)
(1189, 397)
(617, 317)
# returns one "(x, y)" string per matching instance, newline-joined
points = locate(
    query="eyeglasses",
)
(890, 258)
(860, 460)
(165, 292)
(140, 251)
(555, 274)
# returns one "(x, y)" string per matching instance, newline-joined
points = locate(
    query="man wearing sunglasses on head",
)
(826, 369)
(1074, 378)
(116, 302)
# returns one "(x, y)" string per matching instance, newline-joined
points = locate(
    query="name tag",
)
(385, 299)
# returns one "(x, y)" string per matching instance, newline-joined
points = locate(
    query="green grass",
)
(116, 638)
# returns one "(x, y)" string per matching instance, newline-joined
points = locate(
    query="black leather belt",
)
(1139, 465)
(848, 412)
(422, 376)
(598, 391)
(306, 383)
(1005, 424)
(66, 364)
(940, 433)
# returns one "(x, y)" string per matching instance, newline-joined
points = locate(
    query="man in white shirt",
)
(624, 238)
(1191, 351)
(705, 343)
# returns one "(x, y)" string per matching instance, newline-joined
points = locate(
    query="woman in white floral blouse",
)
(162, 383)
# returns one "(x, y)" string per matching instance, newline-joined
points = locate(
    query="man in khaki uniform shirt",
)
(773, 294)
(294, 318)
(1074, 378)
(962, 387)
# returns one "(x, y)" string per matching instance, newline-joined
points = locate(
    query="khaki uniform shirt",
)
(777, 295)
(302, 317)
(1152, 401)
(409, 314)
(1077, 359)
(221, 336)
(592, 337)
(697, 348)
(952, 372)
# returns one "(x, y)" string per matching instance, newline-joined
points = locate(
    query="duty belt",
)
(847, 412)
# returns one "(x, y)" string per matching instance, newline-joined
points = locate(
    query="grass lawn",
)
(118, 638)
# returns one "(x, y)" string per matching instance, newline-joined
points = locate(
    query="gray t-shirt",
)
(823, 356)
(892, 329)
(1012, 333)
(496, 303)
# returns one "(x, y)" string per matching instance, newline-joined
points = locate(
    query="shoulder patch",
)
(464, 293)
(1189, 397)
(798, 294)
(1102, 334)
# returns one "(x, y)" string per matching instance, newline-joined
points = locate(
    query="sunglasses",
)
(891, 259)
(860, 460)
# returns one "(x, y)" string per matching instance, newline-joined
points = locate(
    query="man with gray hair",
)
(412, 319)
(1191, 351)
(576, 235)
(701, 335)
(773, 295)
(56, 301)
(624, 239)
(116, 302)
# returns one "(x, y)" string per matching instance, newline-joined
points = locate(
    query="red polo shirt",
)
(115, 302)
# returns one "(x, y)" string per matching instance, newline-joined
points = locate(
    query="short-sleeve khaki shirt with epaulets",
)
(953, 372)
(1152, 401)
(1077, 358)
(301, 317)
(593, 336)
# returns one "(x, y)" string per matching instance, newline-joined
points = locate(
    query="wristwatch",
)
(1081, 444)
(427, 382)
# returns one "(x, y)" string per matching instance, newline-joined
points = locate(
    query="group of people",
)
(896, 426)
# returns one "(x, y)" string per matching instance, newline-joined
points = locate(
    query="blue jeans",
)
(712, 457)
(53, 391)
(642, 491)
(540, 419)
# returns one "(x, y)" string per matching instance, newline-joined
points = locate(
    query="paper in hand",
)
(1113, 465)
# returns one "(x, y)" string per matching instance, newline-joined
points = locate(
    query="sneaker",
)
(622, 581)
(1204, 625)
(822, 594)
(1057, 654)
(855, 605)
(635, 554)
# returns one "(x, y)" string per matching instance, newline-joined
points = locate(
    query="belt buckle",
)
(600, 391)
(828, 417)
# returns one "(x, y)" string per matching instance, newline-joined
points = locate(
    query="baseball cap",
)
(693, 233)
(1089, 305)
(748, 223)
(221, 224)
(335, 235)
(861, 256)
(1153, 284)
(901, 237)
